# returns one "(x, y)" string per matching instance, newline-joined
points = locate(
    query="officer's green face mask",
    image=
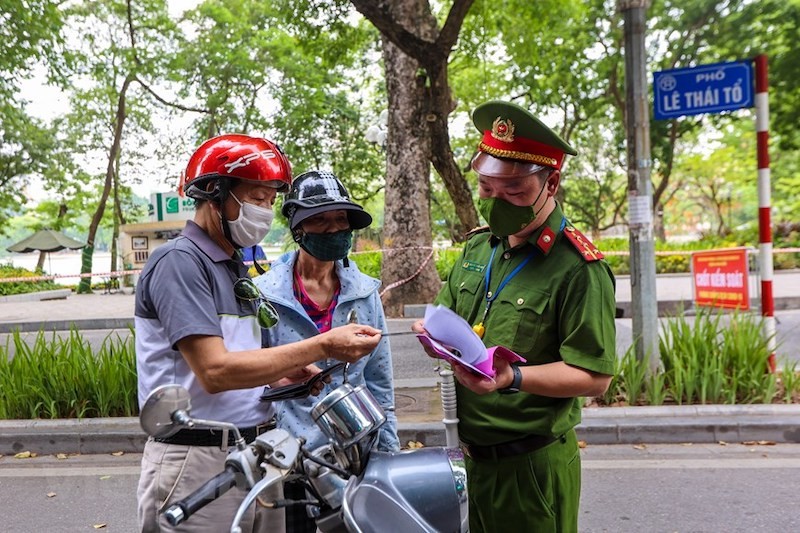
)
(506, 219)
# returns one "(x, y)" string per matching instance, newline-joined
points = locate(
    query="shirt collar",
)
(202, 240)
(545, 236)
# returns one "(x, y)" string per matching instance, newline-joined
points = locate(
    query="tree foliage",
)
(314, 75)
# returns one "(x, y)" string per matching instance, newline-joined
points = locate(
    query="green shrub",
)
(369, 262)
(714, 358)
(445, 259)
(22, 287)
(55, 377)
(671, 264)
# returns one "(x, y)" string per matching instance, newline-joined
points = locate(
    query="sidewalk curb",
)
(55, 294)
(66, 325)
(601, 425)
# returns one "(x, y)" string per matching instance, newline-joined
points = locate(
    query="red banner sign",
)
(721, 278)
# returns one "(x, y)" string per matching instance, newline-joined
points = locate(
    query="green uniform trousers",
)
(536, 492)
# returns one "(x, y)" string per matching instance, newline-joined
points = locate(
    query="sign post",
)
(724, 87)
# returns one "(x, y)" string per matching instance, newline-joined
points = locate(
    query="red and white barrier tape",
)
(120, 273)
(412, 276)
(58, 276)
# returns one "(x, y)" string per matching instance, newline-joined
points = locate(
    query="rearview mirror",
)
(157, 413)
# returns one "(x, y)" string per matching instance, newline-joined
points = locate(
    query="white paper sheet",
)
(449, 329)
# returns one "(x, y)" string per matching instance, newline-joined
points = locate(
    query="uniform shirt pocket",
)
(470, 298)
(515, 321)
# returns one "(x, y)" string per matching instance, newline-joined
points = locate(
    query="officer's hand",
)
(419, 327)
(480, 384)
(351, 342)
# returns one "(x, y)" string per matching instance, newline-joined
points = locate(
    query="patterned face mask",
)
(327, 246)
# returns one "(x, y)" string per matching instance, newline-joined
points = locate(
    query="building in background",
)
(168, 214)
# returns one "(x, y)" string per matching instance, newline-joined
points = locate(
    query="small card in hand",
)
(296, 391)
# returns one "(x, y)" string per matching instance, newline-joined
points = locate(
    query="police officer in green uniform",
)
(532, 283)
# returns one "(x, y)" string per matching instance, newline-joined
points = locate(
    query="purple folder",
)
(484, 366)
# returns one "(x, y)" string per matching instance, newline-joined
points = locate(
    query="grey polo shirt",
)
(186, 288)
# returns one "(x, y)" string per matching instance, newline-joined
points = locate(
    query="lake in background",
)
(67, 264)
(64, 264)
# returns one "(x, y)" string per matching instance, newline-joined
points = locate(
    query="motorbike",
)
(351, 486)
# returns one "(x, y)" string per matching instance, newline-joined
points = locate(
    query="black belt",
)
(213, 437)
(527, 444)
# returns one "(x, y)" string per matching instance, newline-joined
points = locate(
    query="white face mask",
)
(252, 225)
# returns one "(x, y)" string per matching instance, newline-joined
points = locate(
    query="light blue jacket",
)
(358, 291)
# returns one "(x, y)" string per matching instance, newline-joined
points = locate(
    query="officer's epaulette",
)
(588, 251)
(473, 231)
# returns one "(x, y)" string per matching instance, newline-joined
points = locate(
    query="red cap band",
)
(522, 149)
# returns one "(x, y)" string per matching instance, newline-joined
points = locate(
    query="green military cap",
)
(515, 143)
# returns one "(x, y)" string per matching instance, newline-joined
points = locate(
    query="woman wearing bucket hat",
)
(316, 288)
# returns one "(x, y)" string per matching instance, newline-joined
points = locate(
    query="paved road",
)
(626, 489)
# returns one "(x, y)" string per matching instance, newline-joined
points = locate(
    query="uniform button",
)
(489, 294)
(546, 238)
(462, 284)
(506, 255)
(520, 301)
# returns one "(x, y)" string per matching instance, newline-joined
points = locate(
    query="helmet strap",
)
(223, 189)
(259, 268)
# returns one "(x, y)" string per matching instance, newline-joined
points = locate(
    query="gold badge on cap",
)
(503, 129)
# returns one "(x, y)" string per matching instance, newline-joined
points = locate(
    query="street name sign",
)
(705, 89)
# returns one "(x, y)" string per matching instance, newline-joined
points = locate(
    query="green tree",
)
(271, 68)
(416, 50)
(114, 64)
(30, 32)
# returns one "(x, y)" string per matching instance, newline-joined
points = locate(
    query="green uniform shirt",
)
(558, 307)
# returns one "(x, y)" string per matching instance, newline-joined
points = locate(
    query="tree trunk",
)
(118, 219)
(658, 223)
(408, 247)
(441, 105)
(415, 56)
(85, 285)
(40, 262)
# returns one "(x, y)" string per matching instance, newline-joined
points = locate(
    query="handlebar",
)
(207, 493)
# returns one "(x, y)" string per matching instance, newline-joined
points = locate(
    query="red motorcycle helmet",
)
(234, 156)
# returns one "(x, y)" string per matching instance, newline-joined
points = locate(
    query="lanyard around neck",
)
(490, 297)
(479, 328)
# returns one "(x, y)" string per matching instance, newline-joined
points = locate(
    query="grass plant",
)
(711, 358)
(790, 382)
(55, 377)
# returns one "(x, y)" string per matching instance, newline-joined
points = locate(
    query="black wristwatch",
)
(513, 388)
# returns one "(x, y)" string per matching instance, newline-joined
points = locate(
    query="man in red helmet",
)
(198, 321)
